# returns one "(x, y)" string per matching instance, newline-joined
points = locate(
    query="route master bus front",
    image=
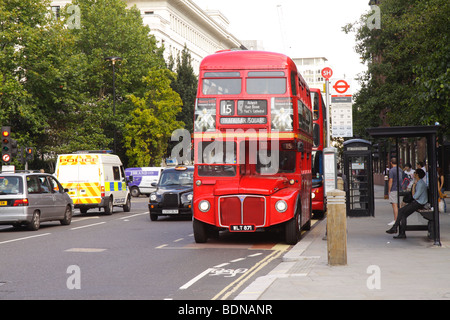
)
(252, 142)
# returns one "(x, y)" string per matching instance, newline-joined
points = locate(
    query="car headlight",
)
(204, 205)
(153, 197)
(190, 197)
(281, 206)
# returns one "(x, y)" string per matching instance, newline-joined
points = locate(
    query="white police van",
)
(95, 179)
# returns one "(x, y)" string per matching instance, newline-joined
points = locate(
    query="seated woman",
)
(420, 198)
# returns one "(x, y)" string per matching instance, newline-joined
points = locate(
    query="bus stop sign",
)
(327, 73)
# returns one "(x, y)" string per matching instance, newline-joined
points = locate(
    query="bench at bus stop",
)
(428, 214)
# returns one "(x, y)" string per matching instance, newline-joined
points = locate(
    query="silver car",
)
(31, 198)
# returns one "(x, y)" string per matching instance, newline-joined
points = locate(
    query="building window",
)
(56, 12)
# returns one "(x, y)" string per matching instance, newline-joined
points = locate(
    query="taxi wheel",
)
(35, 222)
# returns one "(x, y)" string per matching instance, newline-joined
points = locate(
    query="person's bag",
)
(405, 183)
(408, 198)
(441, 206)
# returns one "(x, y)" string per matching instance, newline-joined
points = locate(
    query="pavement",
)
(378, 266)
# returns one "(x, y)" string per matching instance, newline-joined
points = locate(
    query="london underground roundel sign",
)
(341, 86)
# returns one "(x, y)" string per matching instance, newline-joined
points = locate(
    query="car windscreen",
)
(10, 185)
(175, 177)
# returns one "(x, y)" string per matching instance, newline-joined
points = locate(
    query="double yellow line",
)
(279, 249)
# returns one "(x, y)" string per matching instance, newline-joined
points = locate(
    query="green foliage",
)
(408, 65)
(186, 85)
(56, 89)
(153, 120)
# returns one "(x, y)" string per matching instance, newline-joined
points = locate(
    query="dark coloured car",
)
(174, 193)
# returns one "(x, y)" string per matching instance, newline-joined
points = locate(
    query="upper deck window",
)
(266, 82)
(221, 83)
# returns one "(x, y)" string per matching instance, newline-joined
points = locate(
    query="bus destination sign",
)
(243, 120)
(252, 107)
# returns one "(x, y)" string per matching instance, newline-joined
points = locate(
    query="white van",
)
(141, 179)
(94, 180)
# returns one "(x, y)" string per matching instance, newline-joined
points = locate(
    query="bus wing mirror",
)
(300, 147)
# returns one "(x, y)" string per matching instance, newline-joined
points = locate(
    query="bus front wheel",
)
(200, 231)
(293, 228)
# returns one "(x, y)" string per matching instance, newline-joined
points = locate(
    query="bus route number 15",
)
(227, 107)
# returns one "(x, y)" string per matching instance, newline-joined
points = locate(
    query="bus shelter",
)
(430, 133)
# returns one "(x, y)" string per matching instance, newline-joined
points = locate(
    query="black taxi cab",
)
(174, 193)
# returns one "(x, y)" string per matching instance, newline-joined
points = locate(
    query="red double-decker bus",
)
(319, 204)
(252, 142)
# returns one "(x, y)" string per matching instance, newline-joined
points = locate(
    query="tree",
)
(22, 23)
(408, 66)
(55, 85)
(153, 120)
(185, 85)
(109, 28)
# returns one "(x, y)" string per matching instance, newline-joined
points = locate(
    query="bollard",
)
(386, 187)
(336, 228)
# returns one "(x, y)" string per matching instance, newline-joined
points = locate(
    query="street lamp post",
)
(113, 61)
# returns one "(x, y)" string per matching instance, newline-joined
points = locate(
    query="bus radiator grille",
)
(242, 210)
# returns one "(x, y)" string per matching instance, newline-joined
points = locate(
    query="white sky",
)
(313, 28)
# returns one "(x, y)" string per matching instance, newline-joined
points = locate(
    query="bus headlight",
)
(281, 206)
(204, 205)
(313, 195)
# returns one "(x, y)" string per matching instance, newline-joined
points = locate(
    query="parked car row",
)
(85, 181)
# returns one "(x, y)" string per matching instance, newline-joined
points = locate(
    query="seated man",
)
(420, 198)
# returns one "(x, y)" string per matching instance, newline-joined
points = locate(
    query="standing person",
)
(410, 173)
(394, 173)
(422, 166)
(442, 195)
(420, 198)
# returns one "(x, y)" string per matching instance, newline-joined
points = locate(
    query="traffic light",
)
(6, 144)
(14, 149)
(29, 154)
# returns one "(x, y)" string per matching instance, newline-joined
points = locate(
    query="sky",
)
(312, 28)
